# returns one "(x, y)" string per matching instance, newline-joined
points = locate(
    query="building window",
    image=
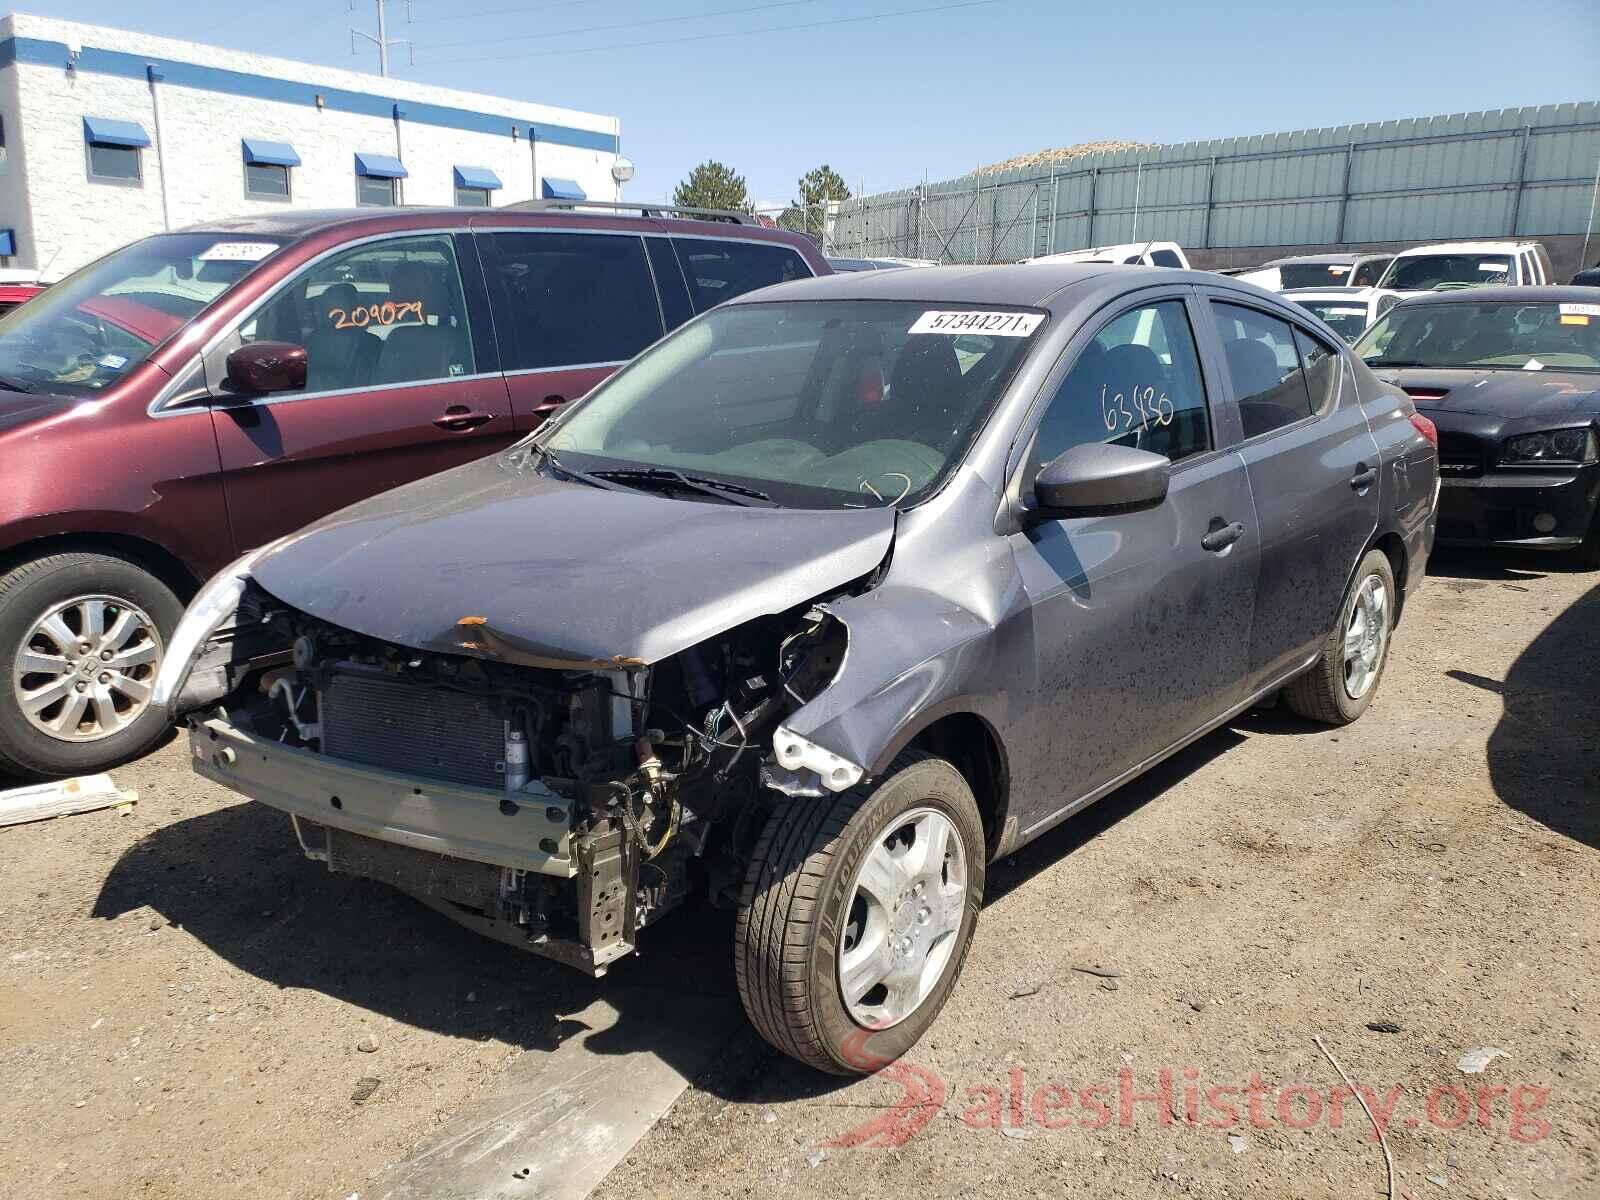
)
(266, 181)
(376, 176)
(113, 149)
(266, 168)
(373, 192)
(473, 185)
(3, 159)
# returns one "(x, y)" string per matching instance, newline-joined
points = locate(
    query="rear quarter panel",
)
(1410, 471)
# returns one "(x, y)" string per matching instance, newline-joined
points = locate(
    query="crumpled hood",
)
(496, 561)
(1555, 395)
(19, 408)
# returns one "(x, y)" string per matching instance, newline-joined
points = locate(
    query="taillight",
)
(1426, 428)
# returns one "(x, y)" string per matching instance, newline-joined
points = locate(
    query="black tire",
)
(28, 592)
(790, 919)
(1320, 694)
(1588, 553)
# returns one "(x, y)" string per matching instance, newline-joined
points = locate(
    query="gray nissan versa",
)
(820, 604)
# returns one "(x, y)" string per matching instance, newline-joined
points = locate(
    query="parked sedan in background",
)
(1511, 377)
(1318, 271)
(814, 609)
(1348, 311)
(199, 393)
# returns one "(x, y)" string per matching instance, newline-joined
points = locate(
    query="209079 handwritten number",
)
(1153, 410)
(389, 312)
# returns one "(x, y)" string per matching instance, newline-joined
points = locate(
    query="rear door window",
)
(720, 270)
(1264, 364)
(571, 299)
(1320, 363)
(1137, 384)
(1165, 258)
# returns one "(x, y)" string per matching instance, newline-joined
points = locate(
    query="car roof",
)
(1051, 286)
(1327, 293)
(1464, 248)
(294, 224)
(1294, 259)
(1564, 293)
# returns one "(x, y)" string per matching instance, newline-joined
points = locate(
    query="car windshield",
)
(91, 329)
(1506, 335)
(1425, 272)
(1307, 275)
(1347, 318)
(820, 404)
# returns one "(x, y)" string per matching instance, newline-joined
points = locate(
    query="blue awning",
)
(270, 154)
(477, 177)
(380, 166)
(563, 189)
(8, 243)
(105, 131)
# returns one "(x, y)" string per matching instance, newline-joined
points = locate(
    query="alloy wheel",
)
(1366, 637)
(87, 668)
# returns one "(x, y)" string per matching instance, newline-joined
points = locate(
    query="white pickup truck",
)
(1146, 254)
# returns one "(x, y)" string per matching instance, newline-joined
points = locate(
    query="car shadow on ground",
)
(1459, 562)
(1544, 754)
(235, 879)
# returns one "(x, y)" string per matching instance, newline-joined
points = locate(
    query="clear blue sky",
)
(888, 99)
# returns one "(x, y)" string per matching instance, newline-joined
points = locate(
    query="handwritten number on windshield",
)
(1148, 409)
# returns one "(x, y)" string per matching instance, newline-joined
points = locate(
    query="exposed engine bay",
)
(560, 808)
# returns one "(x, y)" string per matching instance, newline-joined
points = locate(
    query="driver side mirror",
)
(1099, 479)
(261, 368)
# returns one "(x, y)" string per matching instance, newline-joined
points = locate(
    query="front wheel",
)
(81, 640)
(856, 914)
(1342, 683)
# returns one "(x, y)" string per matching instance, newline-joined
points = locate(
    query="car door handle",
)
(548, 405)
(459, 417)
(1364, 477)
(1221, 539)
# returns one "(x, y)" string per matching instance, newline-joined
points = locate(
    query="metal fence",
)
(1511, 172)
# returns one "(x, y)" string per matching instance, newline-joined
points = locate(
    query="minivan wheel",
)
(856, 914)
(81, 639)
(1342, 683)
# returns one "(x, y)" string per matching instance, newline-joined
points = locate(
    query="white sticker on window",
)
(995, 324)
(1493, 266)
(114, 362)
(1337, 270)
(1347, 312)
(236, 252)
(1580, 310)
(1533, 364)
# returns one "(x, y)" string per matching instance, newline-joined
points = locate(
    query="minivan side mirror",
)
(260, 368)
(1098, 479)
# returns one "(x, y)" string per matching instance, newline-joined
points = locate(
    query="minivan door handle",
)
(1364, 477)
(458, 417)
(1221, 539)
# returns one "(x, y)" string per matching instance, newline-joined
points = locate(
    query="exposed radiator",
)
(432, 733)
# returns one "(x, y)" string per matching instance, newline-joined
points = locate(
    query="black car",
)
(819, 605)
(1511, 377)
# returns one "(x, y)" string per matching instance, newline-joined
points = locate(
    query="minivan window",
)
(571, 299)
(813, 404)
(720, 270)
(98, 324)
(1310, 275)
(1264, 364)
(1136, 384)
(1424, 272)
(1366, 274)
(382, 313)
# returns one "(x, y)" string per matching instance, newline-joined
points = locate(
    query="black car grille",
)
(432, 733)
(1461, 454)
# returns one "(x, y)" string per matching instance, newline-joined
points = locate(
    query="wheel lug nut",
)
(81, 686)
(105, 656)
(105, 677)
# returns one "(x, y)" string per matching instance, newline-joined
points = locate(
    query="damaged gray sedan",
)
(824, 602)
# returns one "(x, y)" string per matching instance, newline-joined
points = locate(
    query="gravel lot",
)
(188, 1008)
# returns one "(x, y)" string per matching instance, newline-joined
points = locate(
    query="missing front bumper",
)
(528, 832)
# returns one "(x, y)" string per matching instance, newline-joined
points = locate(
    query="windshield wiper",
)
(15, 385)
(1379, 363)
(720, 489)
(547, 458)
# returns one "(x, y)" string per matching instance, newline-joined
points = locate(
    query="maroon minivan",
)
(197, 394)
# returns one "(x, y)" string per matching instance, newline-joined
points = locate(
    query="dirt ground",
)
(186, 1004)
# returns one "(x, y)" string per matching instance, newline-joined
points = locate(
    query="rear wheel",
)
(81, 640)
(1342, 683)
(856, 915)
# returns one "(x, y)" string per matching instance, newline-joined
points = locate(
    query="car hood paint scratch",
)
(497, 563)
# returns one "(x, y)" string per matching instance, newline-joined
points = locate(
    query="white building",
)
(107, 136)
